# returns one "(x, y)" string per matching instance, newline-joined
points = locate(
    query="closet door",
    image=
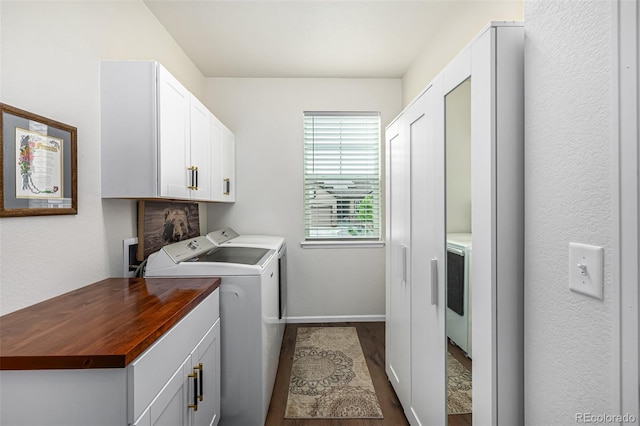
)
(493, 66)
(398, 330)
(497, 164)
(428, 378)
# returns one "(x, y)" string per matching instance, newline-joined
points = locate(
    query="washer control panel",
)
(188, 249)
(221, 236)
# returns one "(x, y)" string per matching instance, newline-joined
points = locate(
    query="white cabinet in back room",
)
(158, 140)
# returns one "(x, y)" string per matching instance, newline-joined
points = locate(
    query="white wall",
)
(455, 33)
(266, 116)
(569, 338)
(51, 54)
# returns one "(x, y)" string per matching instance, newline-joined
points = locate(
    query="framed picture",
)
(165, 222)
(38, 165)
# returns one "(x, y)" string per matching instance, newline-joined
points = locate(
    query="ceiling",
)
(303, 38)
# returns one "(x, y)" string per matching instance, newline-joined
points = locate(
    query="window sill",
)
(341, 244)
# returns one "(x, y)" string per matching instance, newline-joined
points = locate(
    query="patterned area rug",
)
(458, 387)
(329, 376)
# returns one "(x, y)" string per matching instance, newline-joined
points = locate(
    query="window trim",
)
(340, 244)
(338, 241)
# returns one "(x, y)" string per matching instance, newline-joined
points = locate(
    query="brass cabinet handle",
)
(199, 367)
(194, 376)
(194, 177)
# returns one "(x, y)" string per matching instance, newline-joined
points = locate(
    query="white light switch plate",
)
(586, 269)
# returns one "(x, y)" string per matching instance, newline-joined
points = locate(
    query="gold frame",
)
(12, 206)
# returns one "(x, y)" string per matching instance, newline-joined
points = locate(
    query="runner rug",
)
(329, 376)
(458, 387)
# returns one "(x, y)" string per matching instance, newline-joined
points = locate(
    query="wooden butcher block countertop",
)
(103, 325)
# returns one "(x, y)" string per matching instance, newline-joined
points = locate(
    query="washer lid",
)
(242, 255)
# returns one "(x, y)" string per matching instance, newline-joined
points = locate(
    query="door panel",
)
(399, 292)
(207, 357)
(428, 396)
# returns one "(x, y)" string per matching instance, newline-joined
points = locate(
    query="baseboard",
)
(338, 318)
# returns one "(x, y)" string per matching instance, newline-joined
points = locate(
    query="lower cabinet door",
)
(171, 406)
(191, 397)
(206, 359)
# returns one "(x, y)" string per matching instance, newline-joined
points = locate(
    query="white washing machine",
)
(227, 237)
(250, 337)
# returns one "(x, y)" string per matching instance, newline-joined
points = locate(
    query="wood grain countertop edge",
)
(52, 361)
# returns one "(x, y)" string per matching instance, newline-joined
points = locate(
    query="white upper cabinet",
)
(223, 178)
(157, 138)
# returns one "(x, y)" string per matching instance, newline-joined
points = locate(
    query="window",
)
(342, 175)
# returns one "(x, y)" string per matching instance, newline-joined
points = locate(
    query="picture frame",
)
(165, 222)
(38, 165)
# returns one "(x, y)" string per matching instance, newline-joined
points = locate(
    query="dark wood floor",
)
(372, 339)
(371, 335)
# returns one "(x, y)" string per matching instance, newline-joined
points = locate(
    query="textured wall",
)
(51, 54)
(568, 141)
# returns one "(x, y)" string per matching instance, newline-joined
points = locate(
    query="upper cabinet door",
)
(201, 161)
(223, 171)
(228, 165)
(173, 136)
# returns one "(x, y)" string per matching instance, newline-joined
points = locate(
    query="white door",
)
(398, 345)
(201, 155)
(173, 136)
(428, 378)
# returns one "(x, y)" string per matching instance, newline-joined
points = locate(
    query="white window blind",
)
(342, 175)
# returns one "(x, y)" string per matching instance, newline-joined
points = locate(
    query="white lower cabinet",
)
(191, 397)
(159, 387)
(177, 380)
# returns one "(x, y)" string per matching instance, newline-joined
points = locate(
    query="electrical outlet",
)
(129, 248)
(586, 269)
